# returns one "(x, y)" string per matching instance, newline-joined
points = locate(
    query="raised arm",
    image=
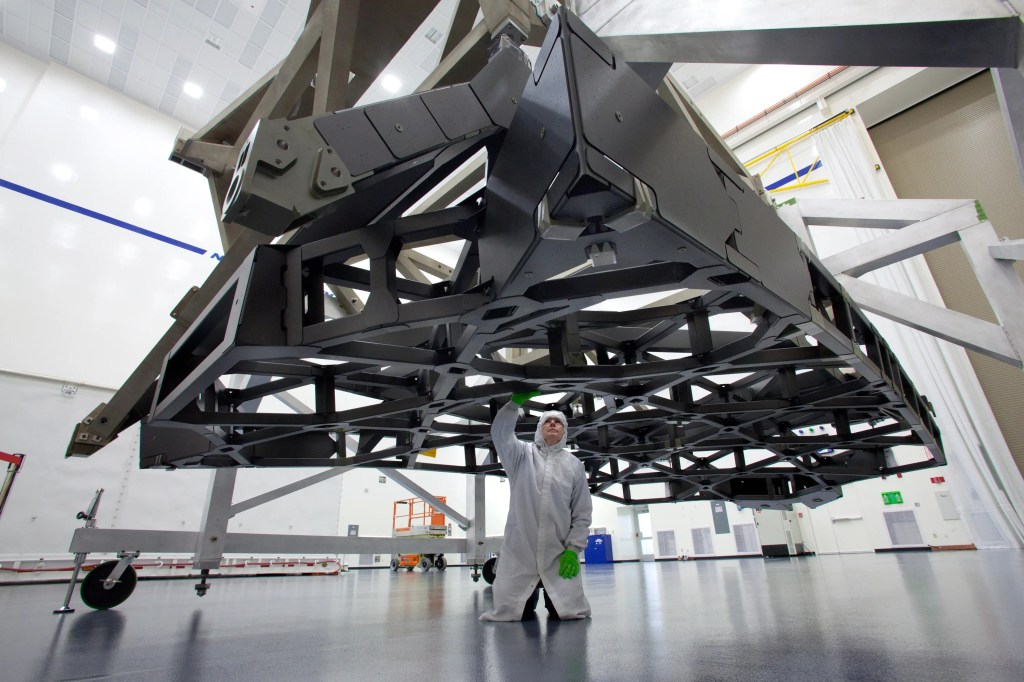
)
(510, 449)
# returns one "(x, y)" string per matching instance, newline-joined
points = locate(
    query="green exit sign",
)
(894, 497)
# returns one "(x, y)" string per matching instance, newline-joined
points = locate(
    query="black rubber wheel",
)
(96, 596)
(425, 564)
(440, 563)
(490, 570)
(394, 565)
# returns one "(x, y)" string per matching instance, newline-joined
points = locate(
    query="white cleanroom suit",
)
(549, 512)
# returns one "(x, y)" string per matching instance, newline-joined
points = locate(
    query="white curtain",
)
(985, 482)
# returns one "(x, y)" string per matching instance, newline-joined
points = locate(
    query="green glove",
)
(521, 397)
(569, 564)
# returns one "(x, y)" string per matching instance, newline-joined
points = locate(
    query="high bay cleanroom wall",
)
(104, 236)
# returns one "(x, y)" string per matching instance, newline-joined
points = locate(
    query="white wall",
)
(85, 299)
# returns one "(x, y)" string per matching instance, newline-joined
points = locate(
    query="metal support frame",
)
(89, 517)
(476, 534)
(212, 541)
(915, 227)
(13, 466)
(421, 492)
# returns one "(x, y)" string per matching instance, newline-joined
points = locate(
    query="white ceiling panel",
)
(223, 46)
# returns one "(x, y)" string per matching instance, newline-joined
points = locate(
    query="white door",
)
(627, 543)
(645, 533)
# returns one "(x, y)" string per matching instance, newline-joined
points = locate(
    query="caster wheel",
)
(394, 565)
(440, 563)
(96, 596)
(425, 564)
(490, 570)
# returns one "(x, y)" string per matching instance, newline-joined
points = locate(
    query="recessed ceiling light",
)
(104, 44)
(63, 172)
(3, 85)
(88, 113)
(192, 90)
(390, 83)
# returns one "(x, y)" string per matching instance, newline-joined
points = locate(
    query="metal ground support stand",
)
(212, 541)
(476, 496)
(912, 227)
(90, 522)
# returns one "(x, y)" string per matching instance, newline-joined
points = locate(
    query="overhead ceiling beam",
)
(981, 43)
(981, 33)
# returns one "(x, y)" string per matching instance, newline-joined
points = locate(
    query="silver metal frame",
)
(915, 227)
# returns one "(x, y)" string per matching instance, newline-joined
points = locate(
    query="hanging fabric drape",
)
(991, 496)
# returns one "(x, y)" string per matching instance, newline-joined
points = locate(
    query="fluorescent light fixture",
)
(192, 90)
(63, 172)
(3, 85)
(104, 44)
(390, 83)
(88, 113)
(143, 207)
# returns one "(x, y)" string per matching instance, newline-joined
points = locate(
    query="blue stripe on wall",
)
(793, 176)
(101, 217)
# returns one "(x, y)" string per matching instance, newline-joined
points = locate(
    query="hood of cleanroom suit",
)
(538, 435)
(549, 511)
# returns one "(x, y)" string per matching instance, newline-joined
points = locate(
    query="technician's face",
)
(552, 430)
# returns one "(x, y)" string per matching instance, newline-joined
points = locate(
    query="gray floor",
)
(910, 616)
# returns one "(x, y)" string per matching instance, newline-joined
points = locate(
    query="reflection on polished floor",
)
(902, 616)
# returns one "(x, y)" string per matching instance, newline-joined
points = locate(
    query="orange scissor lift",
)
(415, 518)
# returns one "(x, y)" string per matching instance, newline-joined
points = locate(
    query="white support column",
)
(214, 527)
(999, 281)
(476, 534)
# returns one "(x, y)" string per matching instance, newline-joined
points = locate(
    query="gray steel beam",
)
(88, 540)
(256, 501)
(422, 493)
(984, 337)
(334, 58)
(1010, 90)
(886, 214)
(913, 240)
(984, 33)
(999, 281)
(1011, 249)
(476, 507)
(209, 548)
